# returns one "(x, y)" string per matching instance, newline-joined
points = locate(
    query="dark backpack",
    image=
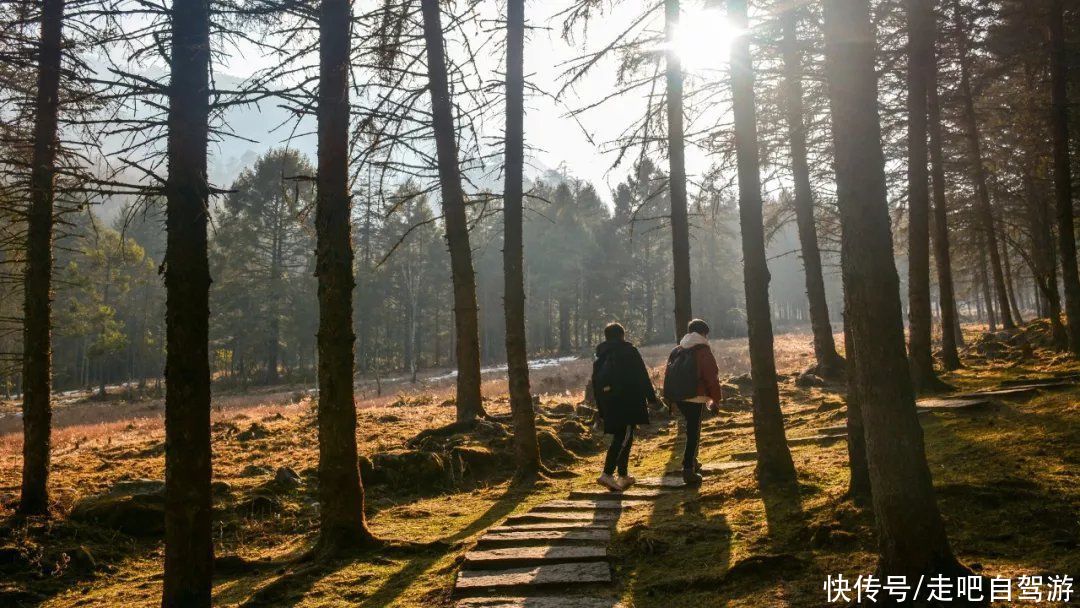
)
(606, 380)
(681, 375)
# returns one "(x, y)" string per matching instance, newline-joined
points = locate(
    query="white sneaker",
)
(609, 482)
(625, 481)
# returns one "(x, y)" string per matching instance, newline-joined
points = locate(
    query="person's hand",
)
(714, 407)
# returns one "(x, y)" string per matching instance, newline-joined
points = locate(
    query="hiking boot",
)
(625, 481)
(609, 482)
(691, 477)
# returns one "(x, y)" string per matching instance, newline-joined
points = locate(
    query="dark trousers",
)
(618, 454)
(692, 412)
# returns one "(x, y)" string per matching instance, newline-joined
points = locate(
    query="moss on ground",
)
(1007, 480)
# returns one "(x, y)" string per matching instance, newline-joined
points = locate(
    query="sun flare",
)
(703, 39)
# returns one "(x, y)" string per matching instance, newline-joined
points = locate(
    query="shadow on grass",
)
(416, 567)
(678, 547)
(291, 587)
(1002, 481)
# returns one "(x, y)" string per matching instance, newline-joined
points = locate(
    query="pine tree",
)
(189, 550)
(517, 368)
(911, 534)
(774, 458)
(37, 286)
(342, 524)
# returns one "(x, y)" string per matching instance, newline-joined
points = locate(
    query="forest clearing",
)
(1005, 474)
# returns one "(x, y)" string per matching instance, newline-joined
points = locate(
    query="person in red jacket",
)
(709, 394)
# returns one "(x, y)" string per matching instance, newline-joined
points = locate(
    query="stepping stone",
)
(587, 505)
(744, 456)
(1041, 385)
(520, 557)
(1058, 380)
(833, 430)
(815, 439)
(1016, 391)
(553, 525)
(714, 468)
(950, 404)
(540, 601)
(553, 575)
(607, 495)
(667, 482)
(523, 538)
(596, 517)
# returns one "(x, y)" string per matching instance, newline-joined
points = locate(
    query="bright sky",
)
(703, 43)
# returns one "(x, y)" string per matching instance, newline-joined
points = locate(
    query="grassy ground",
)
(1007, 480)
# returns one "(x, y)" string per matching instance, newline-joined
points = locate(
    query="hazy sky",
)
(554, 137)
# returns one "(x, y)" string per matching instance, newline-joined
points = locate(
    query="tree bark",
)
(984, 281)
(680, 223)
(911, 534)
(829, 363)
(859, 478)
(1059, 125)
(517, 362)
(341, 491)
(189, 550)
(37, 283)
(1044, 260)
(466, 322)
(950, 317)
(774, 458)
(920, 61)
(984, 208)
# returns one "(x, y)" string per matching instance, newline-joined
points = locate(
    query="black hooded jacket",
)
(632, 386)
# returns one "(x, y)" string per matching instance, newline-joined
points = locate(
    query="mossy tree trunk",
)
(774, 458)
(189, 550)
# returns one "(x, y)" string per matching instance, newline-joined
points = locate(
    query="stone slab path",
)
(556, 556)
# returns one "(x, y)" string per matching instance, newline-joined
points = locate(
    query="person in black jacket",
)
(622, 388)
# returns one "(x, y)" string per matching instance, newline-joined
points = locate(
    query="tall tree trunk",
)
(1059, 125)
(950, 317)
(774, 458)
(984, 281)
(1044, 260)
(37, 285)
(469, 404)
(564, 325)
(273, 340)
(911, 534)
(1010, 284)
(859, 478)
(341, 491)
(920, 61)
(829, 363)
(680, 223)
(189, 550)
(517, 361)
(984, 208)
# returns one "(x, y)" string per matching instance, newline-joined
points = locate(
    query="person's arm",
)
(643, 371)
(710, 374)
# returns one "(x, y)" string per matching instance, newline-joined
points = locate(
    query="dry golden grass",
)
(1007, 480)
